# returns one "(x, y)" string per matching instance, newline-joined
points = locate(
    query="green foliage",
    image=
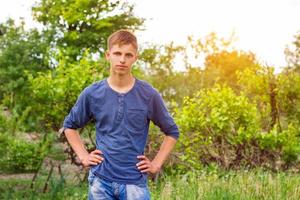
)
(219, 126)
(213, 123)
(276, 95)
(84, 24)
(20, 51)
(56, 91)
(71, 29)
(253, 121)
(222, 67)
(219, 111)
(20, 155)
(219, 60)
(158, 64)
(287, 142)
(12, 121)
(289, 96)
(255, 85)
(201, 185)
(18, 152)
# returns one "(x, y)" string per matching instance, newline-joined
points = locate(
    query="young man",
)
(122, 107)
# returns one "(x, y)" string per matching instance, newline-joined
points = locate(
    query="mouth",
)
(121, 66)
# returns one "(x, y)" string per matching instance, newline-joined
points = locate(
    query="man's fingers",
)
(146, 170)
(97, 157)
(146, 166)
(141, 163)
(141, 157)
(97, 151)
(95, 160)
(93, 163)
(96, 154)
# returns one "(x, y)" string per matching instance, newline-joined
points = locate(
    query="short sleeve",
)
(80, 113)
(160, 116)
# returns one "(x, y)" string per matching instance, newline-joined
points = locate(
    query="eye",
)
(129, 55)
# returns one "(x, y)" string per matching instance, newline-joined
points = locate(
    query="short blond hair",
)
(122, 37)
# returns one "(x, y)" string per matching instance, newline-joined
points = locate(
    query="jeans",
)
(101, 189)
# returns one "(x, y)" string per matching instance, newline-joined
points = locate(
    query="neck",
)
(120, 81)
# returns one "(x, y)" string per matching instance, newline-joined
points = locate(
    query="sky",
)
(264, 27)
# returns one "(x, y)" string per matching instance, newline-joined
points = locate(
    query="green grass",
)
(231, 185)
(20, 189)
(207, 185)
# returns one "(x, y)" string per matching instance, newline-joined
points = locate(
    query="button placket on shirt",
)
(120, 107)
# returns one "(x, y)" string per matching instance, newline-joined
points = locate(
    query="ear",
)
(136, 57)
(107, 54)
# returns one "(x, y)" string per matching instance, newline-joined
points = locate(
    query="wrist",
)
(156, 165)
(82, 157)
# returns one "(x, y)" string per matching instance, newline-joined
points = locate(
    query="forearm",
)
(164, 151)
(76, 143)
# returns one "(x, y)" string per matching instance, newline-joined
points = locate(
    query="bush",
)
(19, 155)
(286, 142)
(214, 123)
(56, 91)
(218, 126)
(11, 121)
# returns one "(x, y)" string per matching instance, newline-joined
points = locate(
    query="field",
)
(206, 185)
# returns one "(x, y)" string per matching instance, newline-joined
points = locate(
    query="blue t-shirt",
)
(122, 124)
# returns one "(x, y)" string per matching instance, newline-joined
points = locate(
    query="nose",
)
(122, 59)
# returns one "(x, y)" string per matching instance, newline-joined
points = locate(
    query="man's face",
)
(121, 58)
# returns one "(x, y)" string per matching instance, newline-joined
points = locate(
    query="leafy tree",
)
(221, 63)
(222, 67)
(78, 25)
(289, 83)
(209, 44)
(20, 52)
(276, 95)
(71, 29)
(260, 85)
(56, 91)
(158, 65)
(289, 96)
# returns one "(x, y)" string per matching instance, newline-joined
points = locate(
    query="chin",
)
(121, 73)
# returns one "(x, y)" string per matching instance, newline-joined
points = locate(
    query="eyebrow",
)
(115, 52)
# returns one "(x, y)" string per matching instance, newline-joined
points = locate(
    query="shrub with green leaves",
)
(289, 97)
(286, 142)
(56, 91)
(18, 152)
(214, 123)
(19, 155)
(219, 126)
